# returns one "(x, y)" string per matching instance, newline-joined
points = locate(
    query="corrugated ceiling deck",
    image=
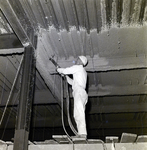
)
(89, 14)
(76, 27)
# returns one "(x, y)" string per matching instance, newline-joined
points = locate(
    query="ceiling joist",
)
(100, 64)
(20, 26)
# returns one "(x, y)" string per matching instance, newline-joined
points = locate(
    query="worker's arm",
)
(68, 70)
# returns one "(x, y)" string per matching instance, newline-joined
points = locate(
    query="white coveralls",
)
(79, 94)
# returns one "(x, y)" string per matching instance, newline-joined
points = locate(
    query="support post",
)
(23, 28)
(25, 101)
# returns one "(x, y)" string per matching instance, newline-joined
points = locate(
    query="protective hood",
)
(83, 59)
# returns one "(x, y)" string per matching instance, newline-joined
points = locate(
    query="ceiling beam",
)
(121, 63)
(106, 109)
(11, 51)
(14, 13)
(107, 64)
(55, 121)
(8, 41)
(93, 125)
(118, 108)
(118, 124)
(110, 90)
(45, 97)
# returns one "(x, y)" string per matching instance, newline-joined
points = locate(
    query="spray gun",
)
(54, 62)
(56, 65)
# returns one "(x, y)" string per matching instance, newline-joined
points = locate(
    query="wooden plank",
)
(128, 138)
(79, 140)
(94, 141)
(46, 142)
(64, 139)
(110, 139)
(142, 138)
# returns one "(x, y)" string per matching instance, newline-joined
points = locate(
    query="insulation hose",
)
(67, 97)
(62, 109)
(67, 103)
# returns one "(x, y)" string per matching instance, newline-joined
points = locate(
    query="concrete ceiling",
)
(112, 34)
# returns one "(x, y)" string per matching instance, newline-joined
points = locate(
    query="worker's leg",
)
(80, 100)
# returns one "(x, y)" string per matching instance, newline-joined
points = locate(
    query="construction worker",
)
(79, 94)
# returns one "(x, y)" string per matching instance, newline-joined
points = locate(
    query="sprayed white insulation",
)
(12, 51)
(113, 43)
(114, 49)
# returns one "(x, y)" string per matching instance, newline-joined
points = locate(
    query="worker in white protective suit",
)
(79, 94)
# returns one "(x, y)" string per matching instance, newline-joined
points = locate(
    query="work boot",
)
(83, 136)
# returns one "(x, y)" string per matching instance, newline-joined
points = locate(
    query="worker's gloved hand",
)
(57, 67)
(59, 70)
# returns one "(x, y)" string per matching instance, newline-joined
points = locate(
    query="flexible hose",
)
(68, 114)
(62, 109)
(67, 98)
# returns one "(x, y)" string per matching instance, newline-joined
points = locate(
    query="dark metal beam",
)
(18, 20)
(25, 102)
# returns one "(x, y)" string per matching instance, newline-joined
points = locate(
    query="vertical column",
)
(25, 101)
